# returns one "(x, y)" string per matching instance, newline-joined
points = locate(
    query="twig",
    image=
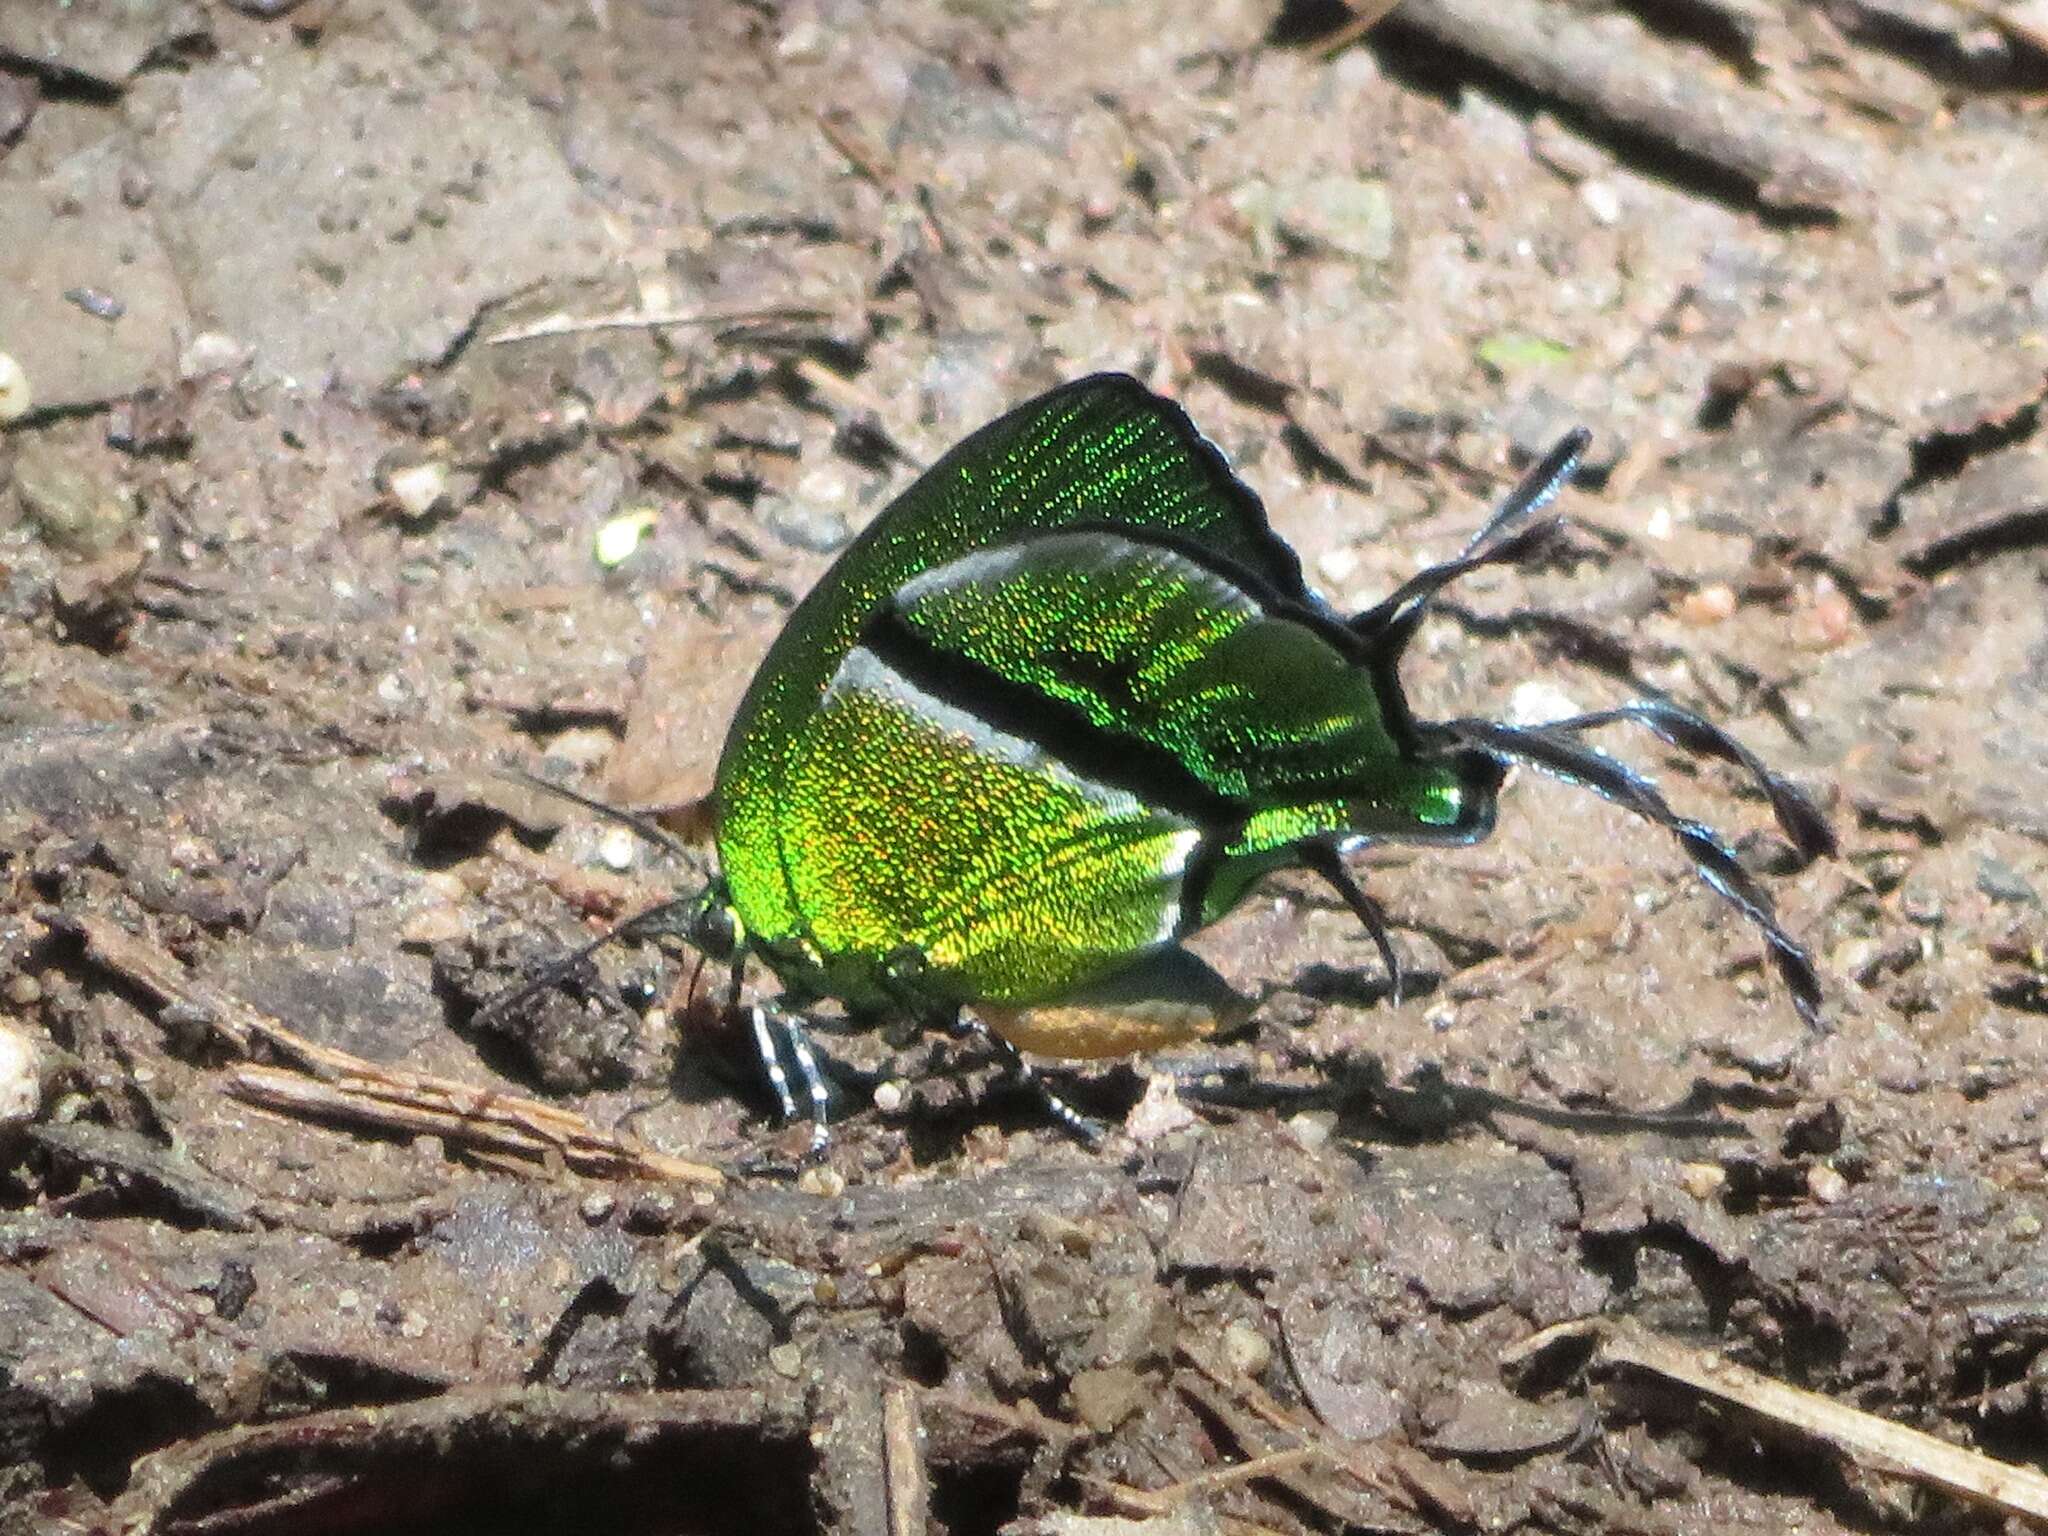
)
(903, 1459)
(1150, 1505)
(1862, 1437)
(352, 1089)
(839, 387)
(417, 1105)
(1396, 1472)
(1742, 133)
(651, 320)
(1163, 1501)
(1028, 1424)
(867, 162)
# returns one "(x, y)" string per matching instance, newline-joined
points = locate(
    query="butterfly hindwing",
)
(1012, 875)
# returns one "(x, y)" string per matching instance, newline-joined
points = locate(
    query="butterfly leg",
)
(767, 1026)
(1324, 859)
(672, 919)
(1084, 1128)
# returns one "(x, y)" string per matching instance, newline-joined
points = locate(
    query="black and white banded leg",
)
(1085, 1128)
(770, 1024)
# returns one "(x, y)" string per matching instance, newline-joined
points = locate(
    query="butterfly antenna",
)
(1798, 817)
(645, 828)
(1508, 537)
(1552, 750)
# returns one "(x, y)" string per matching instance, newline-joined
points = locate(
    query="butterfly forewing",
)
(1103, 450)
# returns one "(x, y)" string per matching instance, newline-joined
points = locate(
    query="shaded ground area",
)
(314, 433)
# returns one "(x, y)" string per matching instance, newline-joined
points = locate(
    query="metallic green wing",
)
(1102, 450)
(1215, 699)
(919, 826)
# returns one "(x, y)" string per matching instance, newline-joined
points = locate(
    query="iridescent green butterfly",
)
(1064, 702)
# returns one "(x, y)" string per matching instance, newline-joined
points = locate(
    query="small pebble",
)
(1602, 199)
(1337, 566)
(615, 847)
(418, 488)
(1920, 904)
(621, 535)
(2026, 1226)
(2001, 882)
(805, 43)
(889, 1096)
(1246, 1348)
(1537, 702)
(1703, 1181)
(211, 352)
(1830, 621)
(23, 990)
(826, 1183)
(14, 395)
(1825, 1184)
(101, 306)
(347, 1301)
(21, 1082)
(596, 1207)
(786, 1360)
(808, 524)
(1712, 604)
(1311, 1129)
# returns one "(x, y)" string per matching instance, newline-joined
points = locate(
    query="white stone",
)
(21, 1079)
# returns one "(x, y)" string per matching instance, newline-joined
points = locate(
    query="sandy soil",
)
(298, 521)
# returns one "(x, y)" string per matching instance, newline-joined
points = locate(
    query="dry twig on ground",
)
(1863, 1437)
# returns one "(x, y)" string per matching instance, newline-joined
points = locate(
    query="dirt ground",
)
(338, 337)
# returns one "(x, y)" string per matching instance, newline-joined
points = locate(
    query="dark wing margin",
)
(1108, 451)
